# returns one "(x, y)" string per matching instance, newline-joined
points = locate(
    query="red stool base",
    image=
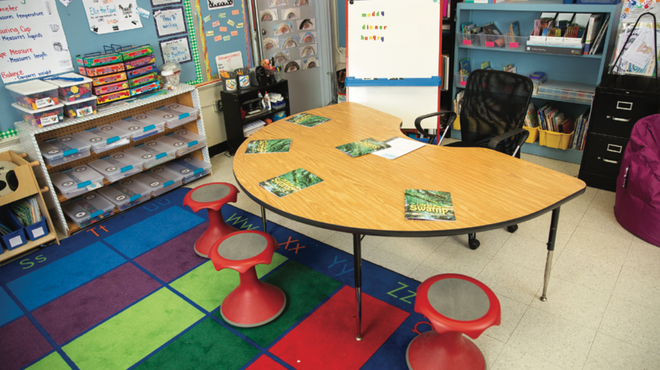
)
(216, 231)
(433, 351)
(254, 304)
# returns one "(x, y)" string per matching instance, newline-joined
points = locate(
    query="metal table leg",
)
(551, 249)
(357, 263)
(263, 218)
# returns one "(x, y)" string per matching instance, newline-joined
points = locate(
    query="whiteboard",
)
(405, 102)
(394, 38)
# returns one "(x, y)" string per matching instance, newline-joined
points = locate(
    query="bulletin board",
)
(81, 40)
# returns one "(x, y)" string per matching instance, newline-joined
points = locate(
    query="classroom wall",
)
(81, 40)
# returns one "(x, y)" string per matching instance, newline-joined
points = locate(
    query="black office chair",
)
(492, 114)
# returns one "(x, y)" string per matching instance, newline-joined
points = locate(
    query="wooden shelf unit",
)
(31, 137)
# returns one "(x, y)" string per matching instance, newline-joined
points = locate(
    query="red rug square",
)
(265, 363)
(326, 339)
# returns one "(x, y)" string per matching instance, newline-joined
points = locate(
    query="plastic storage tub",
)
(185, 141)
(80, 108)
(126, 194)
(160, 180)
(141, 126)
(77, 181)
(175, 115)
(117, 166)
(190, 167)
(41, 117)
(35, 94)
(69, 91)
(103, 138)
(153, 153)
(88, 209)
(63, 149)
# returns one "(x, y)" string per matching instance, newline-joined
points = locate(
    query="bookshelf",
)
(586, 70)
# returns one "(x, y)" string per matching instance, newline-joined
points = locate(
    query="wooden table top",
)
(365, 195)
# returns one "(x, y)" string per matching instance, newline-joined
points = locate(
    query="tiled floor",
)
(603, 308)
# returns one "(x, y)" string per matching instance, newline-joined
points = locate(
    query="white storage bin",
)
(88, 209)
(104, 138)
(160, 180)
(41, 117)
(192, 141)
(141, 126)
(190, 167)
(63, 149)
(77, 181)
(126, 193)
(175, 114)
(117, 166)
(34, 94)
(153, 153)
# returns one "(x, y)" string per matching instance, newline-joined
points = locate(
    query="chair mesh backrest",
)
(494, 102)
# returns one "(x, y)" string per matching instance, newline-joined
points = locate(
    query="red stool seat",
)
(211, 197)
(455, 305)
(253, 302)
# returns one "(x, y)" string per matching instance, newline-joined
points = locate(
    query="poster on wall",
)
(164, 2)
(109, 16)
(33, 43)
(219, 4)
(170, 21)
(230, 61)
(176, 49)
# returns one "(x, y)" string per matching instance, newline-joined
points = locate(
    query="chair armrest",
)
(524, 134)
(450, 119)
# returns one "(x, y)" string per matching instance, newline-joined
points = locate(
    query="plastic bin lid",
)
(182, 108)
(93, 97)
(151, 150)
(67, 83)
(168, 115)
(143, 124)
(63, 146)
(155, 181)
(125, 191)
(86, 207)
(76, 178)
(188, 165)
(116, 164)
(165, 173)
(97, 136)
(113, 130)
(147, 120)
(33, 111)
(31, 87)
(189, 136)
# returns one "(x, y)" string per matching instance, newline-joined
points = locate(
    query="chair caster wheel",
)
(474, 244)
(512, 229)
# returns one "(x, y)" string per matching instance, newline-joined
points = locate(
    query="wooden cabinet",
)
(31, 136)
(27, 187)
(235, 104)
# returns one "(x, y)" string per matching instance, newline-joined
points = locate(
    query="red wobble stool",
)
(455, 305)
(253, 302)
(211, 197)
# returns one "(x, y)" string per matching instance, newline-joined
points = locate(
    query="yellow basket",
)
(533, 134)
(557, 140)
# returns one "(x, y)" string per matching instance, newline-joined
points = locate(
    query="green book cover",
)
(429, 205)
(362, 147)
(307, 120)
(268, 146)
(290, 182)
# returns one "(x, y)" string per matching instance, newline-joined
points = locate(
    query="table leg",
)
(357, 268)
(551, 249)
(263, 218)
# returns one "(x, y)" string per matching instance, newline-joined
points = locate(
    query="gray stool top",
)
(242, 246)
(210, 193)
(458, 299)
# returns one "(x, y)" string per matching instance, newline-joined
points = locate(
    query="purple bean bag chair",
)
(637, 205)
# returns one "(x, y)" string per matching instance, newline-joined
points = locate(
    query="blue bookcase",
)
(569, 69)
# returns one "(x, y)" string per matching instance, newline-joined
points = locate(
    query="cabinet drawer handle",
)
(610, 161)
(614, 148)
(624, 105)
(621, 119)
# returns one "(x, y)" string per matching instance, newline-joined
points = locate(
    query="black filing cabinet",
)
(614, 112)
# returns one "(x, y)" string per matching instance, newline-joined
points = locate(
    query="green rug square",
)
(134, 333)
(208, 287)
(304, 289)
(51, 362)
(206, 343)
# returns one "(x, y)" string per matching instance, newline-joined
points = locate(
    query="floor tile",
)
(512, 312)
(413, 249)
(454, 256)
(513, 359)
(393, 262)
(490, 347)
(608, 353)
(511, 280)
(588, 271)
(524, 251)
(632, 323)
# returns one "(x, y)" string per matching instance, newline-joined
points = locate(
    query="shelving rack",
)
(583, 69)
(31, 136)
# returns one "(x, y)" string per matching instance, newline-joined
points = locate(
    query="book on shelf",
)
(592, 31)
(531, 118)
(362, 147)
(514, 29)
(493, 34)
(464, 65)
(600, 37)
(290, 182)
(428, 205)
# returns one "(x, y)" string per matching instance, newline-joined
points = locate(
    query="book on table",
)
(290, 182)
(268, 146)
(362, 147)
(307, 120)
(428, 205)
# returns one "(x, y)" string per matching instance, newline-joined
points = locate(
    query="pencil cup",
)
(277, 75)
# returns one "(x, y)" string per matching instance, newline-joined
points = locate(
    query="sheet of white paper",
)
(229, 62)
(112, 15)
(398, 147)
